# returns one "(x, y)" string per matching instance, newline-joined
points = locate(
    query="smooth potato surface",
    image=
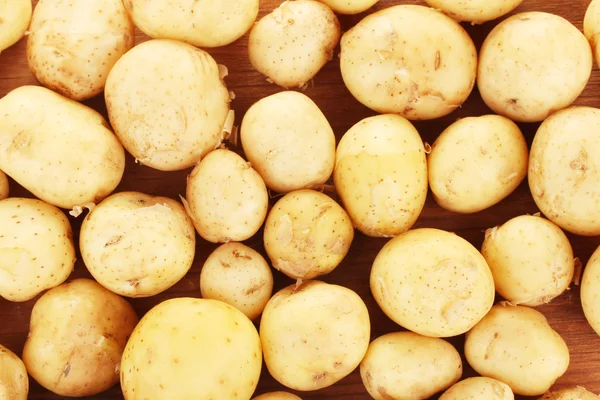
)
(16, 15)
(478, 388)
(572, 393)
(349, 6)
(277, 396)
(4, 188)
(475, 11)
(14, 382)
(591, 27)
(590, 294)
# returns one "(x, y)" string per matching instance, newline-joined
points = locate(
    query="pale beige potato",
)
(475, 11)
(14, 381)
(137, 245)
(591, 27)
(239, 276)
(202, 23)
(4, 189)
(476, 163)
(432, 282)
(590, 295)
(408, 366)
(36, 248)
(307, 234)
(72, 45)
(478, 388)
(289, 141)
(277, 396)
(77, 335)
(564, 172)
(572, 393)
(167, 103)
(381, 175)
(314, 334)
(16, 16)
(226, 198)
(349, 6)
(533, 64)
(60, 150)
(187, 348)
(293, 42)
(409, 60)
(531, 260)
(517, 346)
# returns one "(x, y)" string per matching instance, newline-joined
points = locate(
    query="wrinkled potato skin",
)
(4, 189)
(590, 295)
(277, 396)
(60, 150)
(14, 382)
(323, 342)
(349, 6)
(564, 173)
(591, 27)
(76, 338)
(478, 388)
(517, 346)
(404, 365)
(439, 58)
(16, 15)
(574, 393)
(475, 11)
(533, 64)
(77, 64)
(476, 163)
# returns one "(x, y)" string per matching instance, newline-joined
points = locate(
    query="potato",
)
(404, 365)
(76, 337)
(349, 6)
(137, 245)
(4, 190)
(237, 275)
(517, 346)
(476, 163)
(203, 23)
(564, 174)
(479, 388)
(572, 393)
(590, 296)
(14, 382)
(432, 282)
(176, 120)
(188, 348)
(73, 45)
(531, 260)
(531, 65)
(591, 27)
(226, 198)
(381, 175)
(307, 234)
(36, 248)
(289, 141)
(291, 44)
(314, 334)
(277, 396)
(409, 60)
(16, 15)
(475, 11)
(60, 150)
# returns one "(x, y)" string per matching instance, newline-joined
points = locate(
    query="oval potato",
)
(16, 16)
(475, 11)
(349, 6)
(572, 393)
(591, 27)
(14, 381)
(590, 295)
(479, 388)
(277, 396)
(4, 188)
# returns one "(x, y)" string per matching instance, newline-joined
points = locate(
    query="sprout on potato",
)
(479, 388)
(16, 15)
(475, 11)
(14, 381)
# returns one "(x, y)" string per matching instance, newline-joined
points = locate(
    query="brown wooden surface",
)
(329, 92)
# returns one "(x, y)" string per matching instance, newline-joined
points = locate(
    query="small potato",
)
(531, 65)
(479, 388)
(36, 248)
(408, 366)
(531, 260)
(591, 27)
(289, 142)
(14, 382)
(16, 15)
(137, 245)
(475, 11)
(76, 337)
(349, 6)
(517, 346)
(564, 172)
(291, 44)
(277, 396)
(476, 163)
(239, 276)
(175, 121)
(573, 393)
(381, 175)
(4, 189)
(590, 295)
(409, 60)
(226, 198)
(187, 348)
(307, 234)
(314, 334)
(73, 45)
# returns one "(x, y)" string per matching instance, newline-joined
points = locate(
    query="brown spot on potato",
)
(437, 60)
(253, 289)
(113, 240)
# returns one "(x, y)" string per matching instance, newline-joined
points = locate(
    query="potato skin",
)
(16, 15)
(573, 393)
(14, 382)
(77, 64)
(404, 365)
(591, 27)
(590, 296)
(277, 396)
(479, 388)
(60, 150)
(4, 189)
(349, 6)
(76, 337)
(475, 11)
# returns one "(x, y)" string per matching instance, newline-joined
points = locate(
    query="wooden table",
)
(329, 92)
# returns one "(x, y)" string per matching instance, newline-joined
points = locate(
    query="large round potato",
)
(475, 11)
(73, 45)
(349, 6)
(533, 64)
(572, 393)
(404, 365)
(137, 245)
(16, 15)
(531, 260)
(314, 334)
(590, 293)
(188, 348)
(564, 173)
(289, 141)
(476, 163)
(36, 248)
(14, 382)
(4, 189)
(409, 60)
(591, 27)
(517, 346)
(381, 175)
(167, 103)
(479, 388)
(277, 396)
(76, 338)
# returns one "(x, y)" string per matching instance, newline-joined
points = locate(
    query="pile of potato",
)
(169, 107)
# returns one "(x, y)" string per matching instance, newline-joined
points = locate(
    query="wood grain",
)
(564, 313)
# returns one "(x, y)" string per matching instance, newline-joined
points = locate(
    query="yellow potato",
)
(475, 11)
(14, 382)
(479, 388)
(572, 393)
(277, 396)
(4, 189)
(591, 27)
(590, 295)
(349, 6)
(16, 15)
